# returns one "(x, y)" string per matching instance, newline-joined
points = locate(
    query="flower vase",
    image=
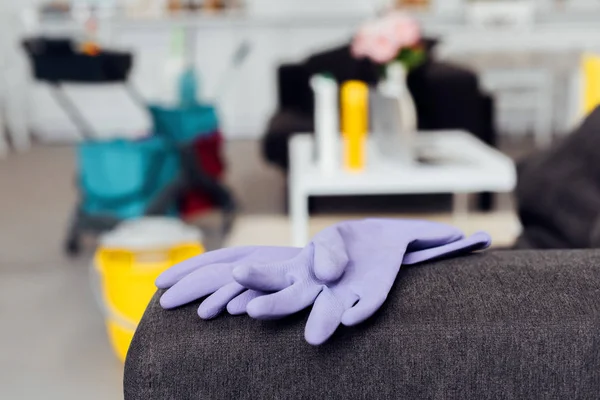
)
(396, 76)
(400, 142)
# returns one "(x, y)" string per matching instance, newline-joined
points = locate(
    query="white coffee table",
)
(463, 165)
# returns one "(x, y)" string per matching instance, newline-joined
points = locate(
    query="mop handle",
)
(239, 56)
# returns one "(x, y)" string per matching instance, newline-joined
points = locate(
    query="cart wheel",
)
(72, 247)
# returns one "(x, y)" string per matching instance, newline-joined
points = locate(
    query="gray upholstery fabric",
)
(501, 325)
(558, 192)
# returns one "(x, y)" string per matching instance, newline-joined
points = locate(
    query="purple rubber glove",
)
(347, 292)
(211, 274)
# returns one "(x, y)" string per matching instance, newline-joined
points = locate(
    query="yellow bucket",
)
(126, 283)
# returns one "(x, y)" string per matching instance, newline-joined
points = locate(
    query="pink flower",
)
(404, 29)
(360, 44)
(383, 48)
(381, 40)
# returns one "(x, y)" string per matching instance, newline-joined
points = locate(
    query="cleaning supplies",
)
(325, 90)
(355, 124)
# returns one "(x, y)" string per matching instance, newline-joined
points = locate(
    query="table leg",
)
(460, 206)
(298, 216)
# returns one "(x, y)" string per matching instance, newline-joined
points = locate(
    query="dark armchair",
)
(446, 97)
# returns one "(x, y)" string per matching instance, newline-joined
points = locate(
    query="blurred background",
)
(226, 114)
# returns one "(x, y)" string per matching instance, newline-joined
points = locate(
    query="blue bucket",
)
(184, 124)
(120, 177)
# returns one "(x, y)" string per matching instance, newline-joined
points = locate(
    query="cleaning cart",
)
(122, 179)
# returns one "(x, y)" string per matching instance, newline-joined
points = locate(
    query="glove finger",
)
(330, 254)
(325, 317)
(424, 243)
(272, 277)
(364, 309)
(478, 241)
(238, 305)
(196, 285)
(283, 303)
(184, 268)
(217, 302)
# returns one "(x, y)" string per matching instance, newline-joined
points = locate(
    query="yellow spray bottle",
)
(354, 101)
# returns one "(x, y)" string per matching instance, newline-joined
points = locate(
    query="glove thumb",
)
(330, 255)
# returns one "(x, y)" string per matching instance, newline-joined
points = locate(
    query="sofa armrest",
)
(505, 324)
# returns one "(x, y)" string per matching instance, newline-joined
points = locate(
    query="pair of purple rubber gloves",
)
(345, 273)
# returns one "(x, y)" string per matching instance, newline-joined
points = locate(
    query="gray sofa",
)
(498, 325)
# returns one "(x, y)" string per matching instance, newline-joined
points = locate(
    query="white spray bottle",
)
(327, 126)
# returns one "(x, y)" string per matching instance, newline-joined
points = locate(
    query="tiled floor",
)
(52, 341)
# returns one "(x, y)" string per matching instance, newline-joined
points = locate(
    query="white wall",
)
(251, 98)
(276, 38)
(283, 30)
